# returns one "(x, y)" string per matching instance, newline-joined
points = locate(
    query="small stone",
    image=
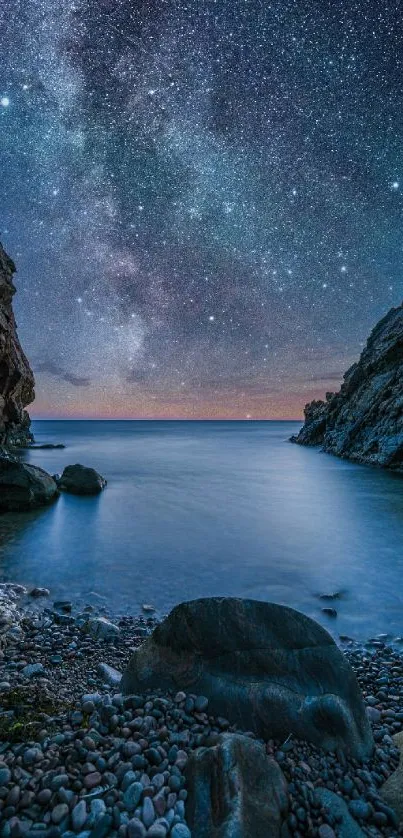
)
(326, 831)
(180, 696)
(44, 796)
(201, 704)
(136, 829)
(38, 592)
(157, 830)
(373, 714)
(59, 781)
(109, 674)
(103, 827)
(59, 812)
(180, 830)
(92, 780)
(5, 775)
(148, 812)
(132, 795)
(360, 809)
(98, 808)
(79, 816)
(100, 627)
(33, 670)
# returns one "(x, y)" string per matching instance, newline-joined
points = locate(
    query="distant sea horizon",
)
(156, 419)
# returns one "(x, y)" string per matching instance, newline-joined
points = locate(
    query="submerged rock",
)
(16, 377)
(235, 791)
(24, 487)
(46, 446)
(81, 480)
(364, 420)
(265, 667)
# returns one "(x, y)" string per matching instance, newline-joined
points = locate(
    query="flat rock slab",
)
(235, 791)
(24, 487)
(265, 667)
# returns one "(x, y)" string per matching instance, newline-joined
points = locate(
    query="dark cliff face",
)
(16, 377)
(364, 420)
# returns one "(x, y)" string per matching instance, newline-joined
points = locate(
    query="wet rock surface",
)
(265, 667)
(364, 420)
(24, 487)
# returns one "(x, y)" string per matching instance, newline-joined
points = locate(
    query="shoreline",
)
(58, 697)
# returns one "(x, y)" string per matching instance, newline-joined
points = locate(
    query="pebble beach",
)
(79, 759)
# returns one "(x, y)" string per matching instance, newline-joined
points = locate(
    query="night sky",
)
(204, 199)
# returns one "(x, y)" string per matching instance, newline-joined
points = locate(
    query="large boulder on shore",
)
(364, 420)
(392, 790)
(81, 480)
(235, 791)
(265, 667)
(24, 487)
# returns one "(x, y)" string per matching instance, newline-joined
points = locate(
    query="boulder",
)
(364, 420)
(24, 487)
(81, 480)
(235, 790)
(264, 667)
(392, 790)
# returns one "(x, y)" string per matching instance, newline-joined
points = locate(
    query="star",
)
(5, 102)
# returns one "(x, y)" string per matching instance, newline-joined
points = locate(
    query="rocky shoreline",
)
(363, 422)
(78, 758)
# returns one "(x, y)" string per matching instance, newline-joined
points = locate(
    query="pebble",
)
(33, 670)
(180, 830)
(148, 812)
(79, 815)
(136, 829)
(132, 795)
(5, 775)
(59, 812)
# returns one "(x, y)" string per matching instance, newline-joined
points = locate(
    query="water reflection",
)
(194, 509)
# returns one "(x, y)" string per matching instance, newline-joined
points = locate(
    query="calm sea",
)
(214, 508)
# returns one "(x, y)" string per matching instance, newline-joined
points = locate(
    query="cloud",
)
(327, 376)
(53, 369)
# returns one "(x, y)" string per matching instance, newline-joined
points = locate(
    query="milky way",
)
(204, 199)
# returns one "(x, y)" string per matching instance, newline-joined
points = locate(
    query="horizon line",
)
(159, 419)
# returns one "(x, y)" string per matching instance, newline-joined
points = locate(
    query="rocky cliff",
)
(16, 377)
(364, 420)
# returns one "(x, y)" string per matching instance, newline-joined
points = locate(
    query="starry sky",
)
(203, 198)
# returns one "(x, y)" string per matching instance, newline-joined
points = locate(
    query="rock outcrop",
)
(24, 487)
(364, 420)
(16, 377)
(265, 667)
(235, 791)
